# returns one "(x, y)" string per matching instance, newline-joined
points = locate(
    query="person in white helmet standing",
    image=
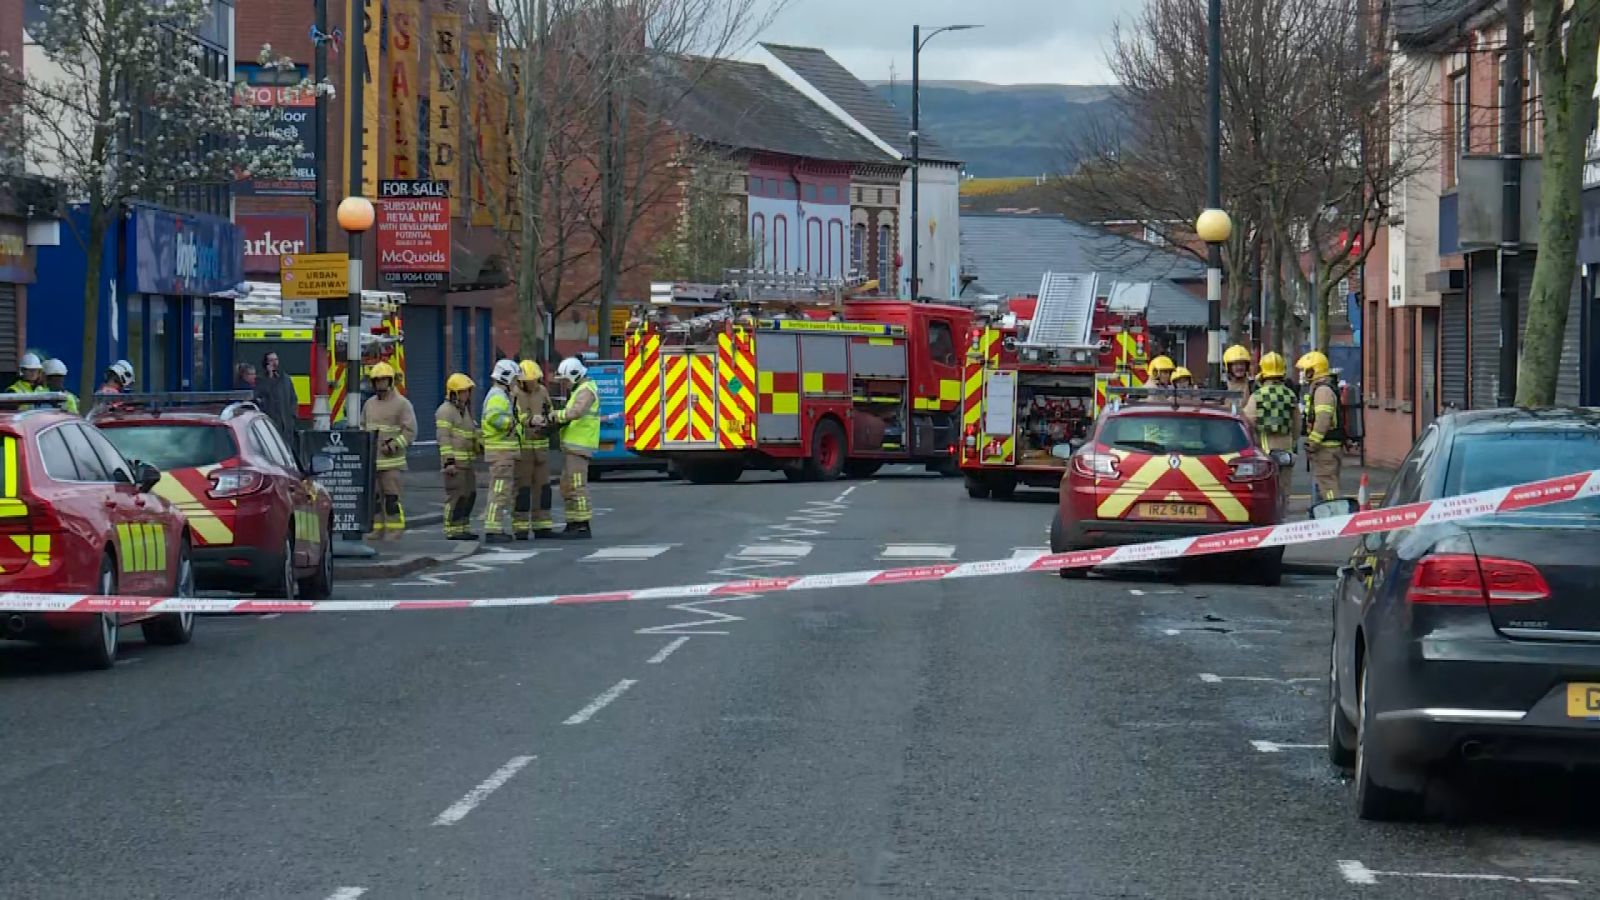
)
(55, 379)
(502, 446)
(30, 377)
(119, 378)
(579, 419)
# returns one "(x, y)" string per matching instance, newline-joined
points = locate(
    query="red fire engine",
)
(1037, 375)
(795, 375)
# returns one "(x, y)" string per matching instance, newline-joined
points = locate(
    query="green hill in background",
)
(1012, 130)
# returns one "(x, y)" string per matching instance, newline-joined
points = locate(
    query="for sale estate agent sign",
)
(414, 232)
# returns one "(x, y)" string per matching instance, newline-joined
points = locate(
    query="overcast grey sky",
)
(1022, 41)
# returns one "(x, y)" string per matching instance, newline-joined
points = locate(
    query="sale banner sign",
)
(414, 232)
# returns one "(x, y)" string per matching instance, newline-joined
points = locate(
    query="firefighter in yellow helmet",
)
(1236, 370)
(1325, 432)
(579, 419)
(531, 513)
(1161, 371)
(1275, 413)
(458, 449)
(390, 416)
(1181, 378)
(502, 444)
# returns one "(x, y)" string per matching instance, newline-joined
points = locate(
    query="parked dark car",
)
(1474, 642)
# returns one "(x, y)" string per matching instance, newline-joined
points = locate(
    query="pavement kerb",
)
(402, 565)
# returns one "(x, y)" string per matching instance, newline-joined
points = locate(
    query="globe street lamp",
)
(917, 43)
(1215, 228)
(355, 216)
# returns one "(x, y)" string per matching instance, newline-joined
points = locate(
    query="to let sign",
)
(414, 232)
(314, 276)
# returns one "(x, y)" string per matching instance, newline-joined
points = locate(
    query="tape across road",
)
(1449, 509)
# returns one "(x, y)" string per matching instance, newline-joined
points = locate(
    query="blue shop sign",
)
(182, 254)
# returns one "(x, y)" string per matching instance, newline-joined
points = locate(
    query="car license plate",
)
(1583, 700)
(1177, 511)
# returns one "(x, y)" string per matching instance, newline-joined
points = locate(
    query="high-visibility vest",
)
(500, 431)
(583, 433)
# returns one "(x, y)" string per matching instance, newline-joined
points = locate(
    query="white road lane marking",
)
(1275, 747)
(1028, 552)
(270, 616)
(1212, 678)
(627, 553)
(713, 617)
(477, 795)
(793, 550)
(601, 702)
(917, 551)
(347, 893)
(664, 652)
(1355, 872)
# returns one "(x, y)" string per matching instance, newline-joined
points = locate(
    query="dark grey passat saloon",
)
(1474, 641)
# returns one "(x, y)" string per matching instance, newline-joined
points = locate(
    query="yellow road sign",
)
(314, 276)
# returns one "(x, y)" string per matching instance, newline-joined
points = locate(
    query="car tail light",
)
(1460, 579)
(1252, 468)
(235, 483)
(1091, 463)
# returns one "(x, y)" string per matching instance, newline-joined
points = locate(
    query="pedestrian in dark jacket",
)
(275, 396)
(244, 378)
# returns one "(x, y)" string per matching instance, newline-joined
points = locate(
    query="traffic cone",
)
(1363, 498)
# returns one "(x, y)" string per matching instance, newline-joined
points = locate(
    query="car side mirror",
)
(321, 464)
(1339, 506)
(1283, 458)
(146, 476)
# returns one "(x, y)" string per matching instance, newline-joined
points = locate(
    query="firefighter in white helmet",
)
(502, 444)
(30, 377)
(55, 379)
(119, 378)
(579, 419)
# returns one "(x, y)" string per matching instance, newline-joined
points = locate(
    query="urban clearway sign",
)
(314, 276)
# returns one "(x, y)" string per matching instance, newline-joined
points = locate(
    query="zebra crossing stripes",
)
(628, 553)
(918, 551)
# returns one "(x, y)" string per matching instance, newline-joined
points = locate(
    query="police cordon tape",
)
(1466, 506)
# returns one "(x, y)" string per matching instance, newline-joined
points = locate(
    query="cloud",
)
(1022, 41)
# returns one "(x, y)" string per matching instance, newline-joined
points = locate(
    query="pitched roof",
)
(1009, 254)
(868, 107)
(1423, 22)
(747, 106)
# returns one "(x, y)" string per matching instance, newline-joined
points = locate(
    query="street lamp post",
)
(1214, 190)
(355, 217)
(917, 43)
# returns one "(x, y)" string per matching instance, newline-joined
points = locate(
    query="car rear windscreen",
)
(1480, 462)
(174, 446)
(1189, 435)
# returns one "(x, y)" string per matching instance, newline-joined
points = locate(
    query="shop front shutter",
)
(424, 337)
(1569, 377)
(8, 328)
(1483, 290)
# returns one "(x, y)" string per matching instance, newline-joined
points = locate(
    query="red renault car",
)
(1177, 463)
(77, 518)
(261, 522)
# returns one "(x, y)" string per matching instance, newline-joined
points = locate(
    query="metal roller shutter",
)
(8, 328)
(1453, 350)
(424, 335)
(1484, 290)
(1568, 380)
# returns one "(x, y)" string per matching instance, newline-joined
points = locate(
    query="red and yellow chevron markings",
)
(642, 391)
(736, 391)
(703, 398)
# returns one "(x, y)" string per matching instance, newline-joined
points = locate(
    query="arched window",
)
(815, 258)
(758, 240)
(836, 260)
(858, 248)
(886, 283)
(780, 243)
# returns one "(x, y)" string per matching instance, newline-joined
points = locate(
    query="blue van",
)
(613, 456)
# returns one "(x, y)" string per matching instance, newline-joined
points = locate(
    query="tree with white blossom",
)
(127, 110)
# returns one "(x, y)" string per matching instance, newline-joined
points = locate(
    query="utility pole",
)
(321, 409)
(916, 155)
(356, 46)
(1511, 203)
(1214, 187)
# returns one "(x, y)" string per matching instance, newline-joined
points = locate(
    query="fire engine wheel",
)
(827, 452)
(977, 487)
(1004, 487)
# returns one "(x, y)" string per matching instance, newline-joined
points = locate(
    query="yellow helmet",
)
(381, 370)
(528, 370)
(1238, 353)
(459, 382)
(1181, 372)
(1161, 364)
(1273, 365)
(1314, 362)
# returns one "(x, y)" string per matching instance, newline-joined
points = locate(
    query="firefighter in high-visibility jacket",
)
(1275, 413)
(1161, 371)
(390, 416)
(1236, 370)
(502, 444)
(532, 512)
(1325, 430)
(579, 419)
(458, 448)
(30, 379)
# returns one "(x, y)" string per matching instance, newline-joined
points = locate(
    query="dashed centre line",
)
(795, 550)
(1275, 747)
(601, 702)
(477, 795)
(1355, 872)
(347, 893)
(664, 652)
(918, 551)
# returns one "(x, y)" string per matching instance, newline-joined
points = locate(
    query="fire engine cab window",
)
(1191, 435)
(83, 456)
(941, 343)
(173, 446)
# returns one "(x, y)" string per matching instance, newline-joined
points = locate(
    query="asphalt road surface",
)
(1147, 735)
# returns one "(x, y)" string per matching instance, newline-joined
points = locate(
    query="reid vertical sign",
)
(414, 232)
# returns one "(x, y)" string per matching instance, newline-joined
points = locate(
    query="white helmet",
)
(55, 367)
(504, 372)
(124, 372)
(29, 361)
(571, 369)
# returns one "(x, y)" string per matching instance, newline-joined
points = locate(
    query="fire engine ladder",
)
(1064, 316)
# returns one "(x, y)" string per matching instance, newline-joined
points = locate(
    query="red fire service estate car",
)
(77, 518)
(260, 521)
(1165, 463)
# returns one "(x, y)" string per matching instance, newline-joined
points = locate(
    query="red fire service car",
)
(260, 520)
(1165, 463)
(77, 518)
